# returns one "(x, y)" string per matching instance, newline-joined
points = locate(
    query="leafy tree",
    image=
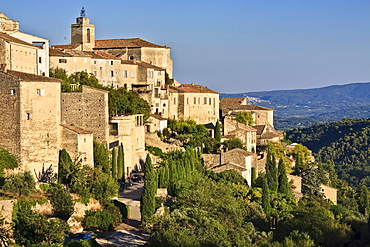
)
(20, 184)
(7, 161)
(233, 143)
(31, 228)
(114, 164)
(101, 157)
(100, 220)
(147, 206)
(66, 167)
(245, 118)
(61, 200)
(363, 200)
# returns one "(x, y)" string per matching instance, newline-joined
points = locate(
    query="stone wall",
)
(6, 210)
(87, 110)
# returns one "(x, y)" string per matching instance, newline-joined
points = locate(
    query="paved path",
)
(128, 233)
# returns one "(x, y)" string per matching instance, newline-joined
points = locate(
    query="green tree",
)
(7, 161)
(100, 220)
(31, 228)
(147, 206)
(266, 198)
(283, 179)
(363, 200)
(61, 200)
(114, 164)
(218, 131)
(20, 184)
(233, 143)
(66, 167)
(101, 157)
(245, 118)
(121, 164)
(271, 172)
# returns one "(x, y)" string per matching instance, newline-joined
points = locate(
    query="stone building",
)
(237, 159)
(232, 106)
(30, 117)
(193, 102)
(21, 51)
(247, 134)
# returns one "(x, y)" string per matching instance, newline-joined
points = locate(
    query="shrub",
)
(100, 220)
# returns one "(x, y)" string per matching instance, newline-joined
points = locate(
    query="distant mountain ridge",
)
(303, 107)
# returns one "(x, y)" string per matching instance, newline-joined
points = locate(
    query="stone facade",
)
(20, 51)
(193, 102)
(156, 123)
(247, 134)
(87, 110)
(129, 131)
(330, 193)
(78, 143)
(30, 115)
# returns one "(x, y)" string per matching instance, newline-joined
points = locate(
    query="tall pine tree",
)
(271, 172)
(121, 164)
(266, 198)
(218, 132)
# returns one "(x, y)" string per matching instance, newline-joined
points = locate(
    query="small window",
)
(40, 60)
(111, 73)
(40, 92)
(111, 62)
(94, 62)
(28, 116)
(205, 101)
(62, 60)
(174, 101)
(195, 101)
(132, 74)
(150, 74)
(12, 92)
(210, 101)
(125, 74)
(95, 73)
(187, 101)
(86, 70)
(131, 58)
(101, 68)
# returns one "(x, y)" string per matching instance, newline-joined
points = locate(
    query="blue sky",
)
(229, 45)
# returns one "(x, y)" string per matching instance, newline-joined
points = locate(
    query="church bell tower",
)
(83, 32)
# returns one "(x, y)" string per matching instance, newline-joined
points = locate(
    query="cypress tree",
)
(363, 201)
(271, 172)
(283, 179)
(253, 177)
(65, 167)
(218, 132)
(147, 205)
(114, 164)
(121, 164)
(266, 198)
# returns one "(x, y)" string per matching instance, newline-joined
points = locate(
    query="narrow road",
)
(128, 233)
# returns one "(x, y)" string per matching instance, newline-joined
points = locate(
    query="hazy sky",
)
(228, 45)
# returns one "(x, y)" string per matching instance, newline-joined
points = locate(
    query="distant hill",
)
(345, 142)
(304, 107)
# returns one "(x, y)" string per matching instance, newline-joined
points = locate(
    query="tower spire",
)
(82, 14)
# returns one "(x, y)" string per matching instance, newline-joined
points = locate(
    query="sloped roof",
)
(76, 129)
(228, 166)
(31, 77)
(231, 101)
(159, 117)
(58, 53)
(70, 46)
(11, 39)
(125, 43)
(253, 108)
(149, 66)
(241, 152)
(259, 128)
(191, 88)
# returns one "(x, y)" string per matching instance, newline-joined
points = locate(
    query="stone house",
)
(238, 159)
(266, 134)
(21, 51)
(156, 123)
(30, 117)
(193, 102)
(247, 134)
(232, 106)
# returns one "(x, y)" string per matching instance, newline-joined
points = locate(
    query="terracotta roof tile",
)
(123, 43)
(191, 88)
(231, 101)
(31, 77)
(58, 53)
(76, 129)
(241, 152)
(70, 46)
(9, 38)
(228, 166)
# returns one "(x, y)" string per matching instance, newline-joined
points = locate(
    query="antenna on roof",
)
(82, 14)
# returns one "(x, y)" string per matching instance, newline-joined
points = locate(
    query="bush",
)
(100, 220)
(124, 209)
(20, 183)
(61, 199)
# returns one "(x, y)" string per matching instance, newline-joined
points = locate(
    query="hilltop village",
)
(39, 119)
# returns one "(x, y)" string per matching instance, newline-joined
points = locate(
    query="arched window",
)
(88, 36)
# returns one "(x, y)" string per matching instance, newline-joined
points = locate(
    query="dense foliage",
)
(147, 205)
(245, 118)
(346, 143)
(20, 184)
